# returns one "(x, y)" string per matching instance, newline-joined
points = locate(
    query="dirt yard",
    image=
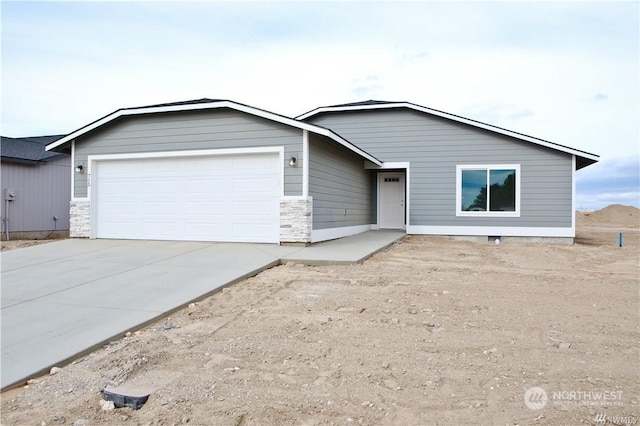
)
(430, 331)
(16, 244)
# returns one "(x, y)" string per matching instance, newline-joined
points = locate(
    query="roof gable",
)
(583, 158)
(206, 103)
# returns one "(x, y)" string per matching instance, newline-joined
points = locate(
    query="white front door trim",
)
(406, 165)
(398, 223)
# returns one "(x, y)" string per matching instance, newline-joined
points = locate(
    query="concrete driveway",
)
(65, 298)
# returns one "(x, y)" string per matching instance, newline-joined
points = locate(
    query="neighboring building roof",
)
(205, 103)
(28, 149)
(583, 158)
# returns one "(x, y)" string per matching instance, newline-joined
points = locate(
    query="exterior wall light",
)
(293, 162)
(79, 168)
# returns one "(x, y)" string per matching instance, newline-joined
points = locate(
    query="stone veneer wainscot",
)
(295, 220)
(79, 219)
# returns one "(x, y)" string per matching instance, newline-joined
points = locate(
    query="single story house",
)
(35, 188)
(218, 170)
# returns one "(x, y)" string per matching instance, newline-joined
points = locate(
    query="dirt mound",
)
(615, 214)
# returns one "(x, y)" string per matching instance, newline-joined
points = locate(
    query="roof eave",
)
(21, 160)
(582, 162)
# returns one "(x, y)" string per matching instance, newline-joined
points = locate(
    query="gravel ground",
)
(430, 331)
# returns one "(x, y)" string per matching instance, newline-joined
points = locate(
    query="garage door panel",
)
(204, 186)
(253, 208)
(232, 198)
(159, 229)
(120, 207)
(123, 169)
(116, 187)
(203, 208)
(256, 185)
(161, 208)
(204, 163)
(120, 229)
(207, 232)
(158, 201)
(165, 186)
(158, 166)
(248, 232)
(254, 162)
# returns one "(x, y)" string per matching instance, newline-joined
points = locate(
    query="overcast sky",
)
(564, 72)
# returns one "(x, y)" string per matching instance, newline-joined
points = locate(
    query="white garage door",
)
(205, 198)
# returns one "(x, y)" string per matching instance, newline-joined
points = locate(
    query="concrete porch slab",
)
(353, 249)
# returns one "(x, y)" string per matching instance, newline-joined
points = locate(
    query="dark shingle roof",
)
(27, 149)
(363, 103)
(190, 102)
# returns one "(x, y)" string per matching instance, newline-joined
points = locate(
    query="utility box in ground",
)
(9, 194)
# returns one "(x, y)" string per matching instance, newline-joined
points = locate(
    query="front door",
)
(391, 203)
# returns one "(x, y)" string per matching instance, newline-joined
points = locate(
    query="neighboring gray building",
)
(35, 188)
(217, 170)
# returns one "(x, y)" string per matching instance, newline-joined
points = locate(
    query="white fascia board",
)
(219, 104)
(388, 165)
(503, 231)
(453, 118)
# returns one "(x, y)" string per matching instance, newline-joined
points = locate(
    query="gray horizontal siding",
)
(192, 130)
(434, 146)
(42, 191)
(339, 185)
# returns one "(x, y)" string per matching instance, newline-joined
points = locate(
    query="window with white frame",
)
(488, 190)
